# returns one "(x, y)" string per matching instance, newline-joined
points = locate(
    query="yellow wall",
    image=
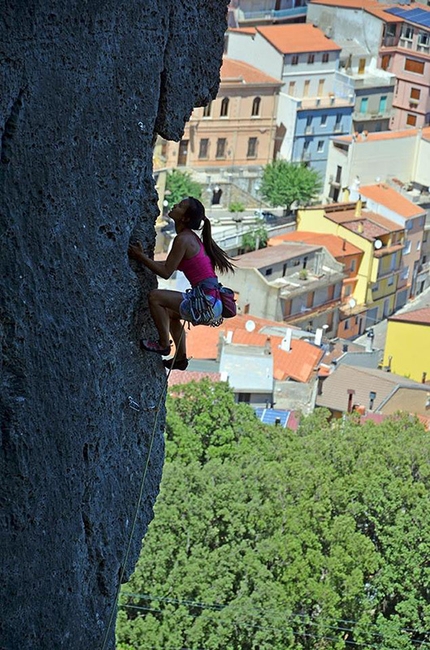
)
(409, 346)
(316, 221)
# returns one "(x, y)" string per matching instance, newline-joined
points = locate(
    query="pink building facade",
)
(405, 51)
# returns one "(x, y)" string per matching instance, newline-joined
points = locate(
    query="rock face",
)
(84, 87)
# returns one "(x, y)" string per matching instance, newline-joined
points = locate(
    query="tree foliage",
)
(284, 183)
(179, 185)
(255, 239)
(268, 539)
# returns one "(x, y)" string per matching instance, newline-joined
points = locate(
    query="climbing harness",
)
(201, 308)
(140, 497)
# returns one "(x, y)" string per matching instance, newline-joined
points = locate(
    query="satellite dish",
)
(250, 326)
(377, 244)
(352, 302)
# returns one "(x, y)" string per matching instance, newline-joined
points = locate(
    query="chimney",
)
(267, 346)
(351, 394)
(318, 336)
(358, 207)
(286, 341)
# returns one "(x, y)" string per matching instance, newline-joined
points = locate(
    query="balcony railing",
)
(357, 116)
(272, 14)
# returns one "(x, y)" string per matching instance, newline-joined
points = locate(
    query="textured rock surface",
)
(84, 86)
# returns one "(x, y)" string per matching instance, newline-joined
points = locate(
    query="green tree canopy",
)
(180, 185)
(265, 538)
(283, 183)
(255, 239)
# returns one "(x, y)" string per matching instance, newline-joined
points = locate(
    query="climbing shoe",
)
(154, 346)
(176, 364)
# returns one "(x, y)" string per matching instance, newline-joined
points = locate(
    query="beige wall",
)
(411, 400)
(237, 127)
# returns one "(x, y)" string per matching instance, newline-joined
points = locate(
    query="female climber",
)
(198, 261)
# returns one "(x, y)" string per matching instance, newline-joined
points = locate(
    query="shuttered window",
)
(414, 66)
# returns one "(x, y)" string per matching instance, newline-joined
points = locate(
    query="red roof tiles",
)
(233, 70)
(391, 199)
(418, 316)
(336, 246)
(298, 37)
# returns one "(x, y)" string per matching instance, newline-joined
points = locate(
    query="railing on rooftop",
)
(272, 14)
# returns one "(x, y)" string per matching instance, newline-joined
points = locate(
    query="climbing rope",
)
(139, 500)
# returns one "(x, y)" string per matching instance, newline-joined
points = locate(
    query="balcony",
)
(390, 41)
(357, 116)
(271, 15)
(307, 103)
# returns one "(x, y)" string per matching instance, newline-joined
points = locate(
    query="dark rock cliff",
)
(84, 86)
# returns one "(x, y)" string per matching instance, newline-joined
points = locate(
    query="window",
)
(224, 107)
(292, 88)
(405, 273)
(382, 104)
(407, 32)
(411, 120)
(252, 148)
(306, 88)
(411, 65)
(352, 267)
(207, 110)
(256, 106)
(268, 272)
(418, 245)
(375, 286)
(385, 61)
(220, 148)
(306, 146)
(348, 290)
(311, 58)
(337, 126)
(321, 87)
(294, 59)
(415, 94)
(363, 104)
(310, 299)
(324, 119)
(203, 149)
(407, 248)
(320, 146)
(390, 281)
(390, 29)
(361, 66)
(325, 57)
(424, 40)
(346, 324)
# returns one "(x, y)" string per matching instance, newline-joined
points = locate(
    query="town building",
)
(372, 87)
(292, 283)
(352, 317)
(242, 13)
(305, 60)
(385, 200)
(238, 128)
(370, 391)
(407, 345)
(399, 157)
(381, 241)
(397, 38)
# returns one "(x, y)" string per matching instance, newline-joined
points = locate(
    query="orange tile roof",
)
(386, 135)
(418, 316)
(298, 37)
(298, 364)
(336, 246)
(238, 71)
(391, 199)
(178, 377)
(370, 6)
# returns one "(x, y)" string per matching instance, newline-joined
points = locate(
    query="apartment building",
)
(385, 200)
(405, 51)
(381, 241)
(397, 39)
(242, 13)
(238, 128)
(390, 156)
(294, 283)
(305, 60)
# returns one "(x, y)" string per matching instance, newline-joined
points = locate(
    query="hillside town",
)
(334, 305)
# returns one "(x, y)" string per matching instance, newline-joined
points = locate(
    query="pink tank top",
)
(197, 268)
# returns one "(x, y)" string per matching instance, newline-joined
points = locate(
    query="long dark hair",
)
(196, 214)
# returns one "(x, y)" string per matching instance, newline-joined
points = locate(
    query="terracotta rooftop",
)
(298, 364)
(336, 246)
(386, 135)
(374, 8)
(418, 316)
(178, 377)
(298, 37)
(372, 225)
(239, 72)
(391, 199)
(273, 255)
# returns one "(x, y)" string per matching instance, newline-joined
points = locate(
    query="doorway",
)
(182, 153)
